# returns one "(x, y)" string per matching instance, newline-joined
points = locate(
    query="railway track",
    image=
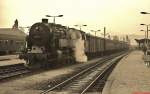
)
(5, 69)
(88, 80)
(12, 71)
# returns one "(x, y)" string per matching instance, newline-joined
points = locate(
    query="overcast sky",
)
(119, 16)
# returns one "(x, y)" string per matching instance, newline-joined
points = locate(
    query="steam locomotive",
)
(49, 43)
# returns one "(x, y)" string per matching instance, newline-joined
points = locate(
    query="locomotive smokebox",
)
(44, 20)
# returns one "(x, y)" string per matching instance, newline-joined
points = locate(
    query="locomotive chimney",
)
(44, 20)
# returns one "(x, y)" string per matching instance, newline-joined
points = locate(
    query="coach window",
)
(6, 41)
(2, 42)
(11, 41)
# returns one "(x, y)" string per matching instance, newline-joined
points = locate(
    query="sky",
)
(118, 16)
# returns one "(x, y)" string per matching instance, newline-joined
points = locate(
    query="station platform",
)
(130, 76)
(8, 57)
(10, 60)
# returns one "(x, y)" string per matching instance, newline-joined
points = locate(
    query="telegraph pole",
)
(104, 40)
(147, 36)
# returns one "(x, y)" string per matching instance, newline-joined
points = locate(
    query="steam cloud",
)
(80, 51)
(78, 46)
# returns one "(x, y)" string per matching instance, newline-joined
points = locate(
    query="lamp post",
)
(54, 17)
(147, 29)
(95, 31)
(55, 41)
(80, 26)
(145, 13)
(145, 37)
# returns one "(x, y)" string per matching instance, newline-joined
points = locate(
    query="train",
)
(11, 41)
(48, 43)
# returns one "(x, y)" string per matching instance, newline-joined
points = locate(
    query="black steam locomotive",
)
(49, 43)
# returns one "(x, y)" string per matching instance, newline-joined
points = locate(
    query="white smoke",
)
(80, 51)
(78, 46)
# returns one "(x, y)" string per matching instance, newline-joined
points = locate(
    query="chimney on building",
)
(15, 26)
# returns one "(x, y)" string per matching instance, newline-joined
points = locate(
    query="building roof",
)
(9, 33)
(141, 40)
